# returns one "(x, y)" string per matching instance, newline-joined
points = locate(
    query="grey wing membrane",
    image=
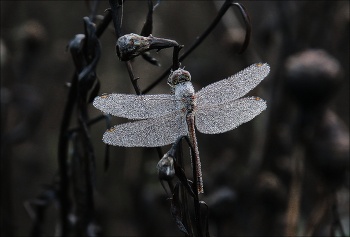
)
(153, 132)
(136, 106)
(219, 118)
(233, 87)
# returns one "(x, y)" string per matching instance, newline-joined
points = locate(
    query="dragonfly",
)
(162, 118)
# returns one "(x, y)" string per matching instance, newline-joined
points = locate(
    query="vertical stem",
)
(92, 16)
(186, 215)
(293, 209)
(176, 63)
(63, 156)
(104, 23)
(132, 78)
(89, 156)
(116, 8)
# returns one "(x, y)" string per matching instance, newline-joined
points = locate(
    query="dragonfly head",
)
(178, 76)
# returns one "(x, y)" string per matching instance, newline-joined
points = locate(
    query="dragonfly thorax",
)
(184, 95)
(182, 88)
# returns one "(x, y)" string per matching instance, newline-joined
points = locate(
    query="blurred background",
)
(286, 171)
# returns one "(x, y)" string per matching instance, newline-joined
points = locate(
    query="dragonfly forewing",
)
(233, 87)
(136, 106)
(220, 118)
(153, 132)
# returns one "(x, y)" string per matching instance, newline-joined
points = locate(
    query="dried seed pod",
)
(131, 45)
(165, 167)
(312, 77)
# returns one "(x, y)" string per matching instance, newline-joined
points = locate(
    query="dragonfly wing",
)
(153, 132)
(233, 87)
(221, 118)
(136, 106)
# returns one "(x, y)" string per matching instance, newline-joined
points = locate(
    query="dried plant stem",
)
(132, 78)
(176, 62)
(116, 9)
(293, 209)
(186, 214)
(94, 10)
(221, 13)
(64, 139)
(63, 155)
(316, 216)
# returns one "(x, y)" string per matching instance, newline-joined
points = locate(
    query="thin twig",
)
(176, 63)
(133, 79)
(116, 8)
(248, 26)
(93, 11)
(221, 13)
(102, 26)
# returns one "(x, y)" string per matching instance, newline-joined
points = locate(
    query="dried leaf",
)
(176, 208)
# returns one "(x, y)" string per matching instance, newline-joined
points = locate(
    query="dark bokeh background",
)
(248, 172)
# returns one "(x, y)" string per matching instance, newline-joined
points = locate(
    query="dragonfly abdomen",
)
(193, 139)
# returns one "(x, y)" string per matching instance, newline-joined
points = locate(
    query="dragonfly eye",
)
(178, 76)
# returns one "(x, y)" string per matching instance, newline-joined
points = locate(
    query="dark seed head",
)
(131, 45)
(312, 77)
